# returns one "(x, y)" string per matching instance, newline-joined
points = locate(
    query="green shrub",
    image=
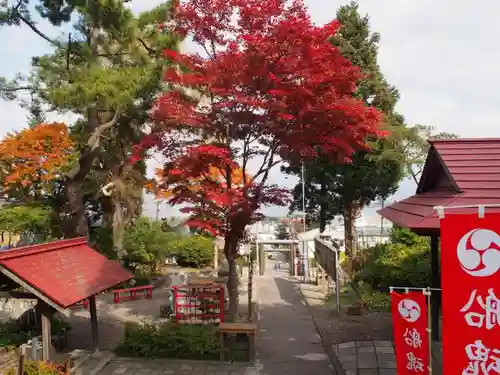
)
(169, 340)
(404, 262)
(407, 237)
(13, 335)
(395, 265)
(147, 244)
(195, 251)
(374, 300)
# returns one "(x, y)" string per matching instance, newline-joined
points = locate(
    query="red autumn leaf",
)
(273, 87)
(170, 54)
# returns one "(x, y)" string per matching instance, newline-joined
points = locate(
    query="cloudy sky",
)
(442, 55)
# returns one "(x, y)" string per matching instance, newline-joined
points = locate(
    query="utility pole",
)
(305, 255)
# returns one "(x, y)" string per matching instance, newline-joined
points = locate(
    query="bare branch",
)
(55, 43)
(93, 141)
(13, 89)
(150, 50)
(36, 29)
(88, 154)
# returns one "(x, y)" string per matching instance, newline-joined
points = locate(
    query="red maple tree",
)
(269, 87)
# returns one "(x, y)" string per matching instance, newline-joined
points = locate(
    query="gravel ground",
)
(342, 328)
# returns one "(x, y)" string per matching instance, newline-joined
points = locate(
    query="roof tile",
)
(474, 166)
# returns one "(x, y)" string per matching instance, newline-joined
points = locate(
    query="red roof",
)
(65, 271)
(457, 172)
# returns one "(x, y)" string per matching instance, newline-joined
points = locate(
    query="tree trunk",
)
(350, 230)
(118, 230)
(78, 224)
(230, 250)
(322, 218)
(351, 211)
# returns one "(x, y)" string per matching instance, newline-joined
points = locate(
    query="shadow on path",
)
(288, 342)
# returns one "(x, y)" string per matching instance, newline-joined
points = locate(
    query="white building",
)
(367, 235)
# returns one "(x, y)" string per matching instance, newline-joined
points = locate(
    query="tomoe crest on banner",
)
(478, 252)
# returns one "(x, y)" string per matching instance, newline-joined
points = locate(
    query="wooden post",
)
(436, 283)
(45, 312)
(250, 287)
(93, 323)
(20, 368)
(322, 279)
(216, 257)
(262, 260)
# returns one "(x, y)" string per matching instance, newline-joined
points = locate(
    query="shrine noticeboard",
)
(411, 339)
(470, 264)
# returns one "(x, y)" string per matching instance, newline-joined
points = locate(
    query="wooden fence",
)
(326, 258)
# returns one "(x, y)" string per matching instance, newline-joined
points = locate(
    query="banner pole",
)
(429, 329)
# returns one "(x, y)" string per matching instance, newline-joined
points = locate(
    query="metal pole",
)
(305, 256)
(302, 177)
(337, 281)
(257, 257)
(429, 329)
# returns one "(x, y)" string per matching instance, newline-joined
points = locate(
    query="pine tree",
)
(108, 71)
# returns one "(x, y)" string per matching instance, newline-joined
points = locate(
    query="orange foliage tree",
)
(213, 175)
(35, 155)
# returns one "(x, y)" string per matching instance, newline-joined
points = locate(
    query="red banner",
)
(470, 263)
(411, 339)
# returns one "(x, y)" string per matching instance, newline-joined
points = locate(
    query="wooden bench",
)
(233, 329)
(147, 291)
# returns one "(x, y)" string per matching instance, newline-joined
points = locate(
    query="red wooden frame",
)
(147, 289)
(191, 297)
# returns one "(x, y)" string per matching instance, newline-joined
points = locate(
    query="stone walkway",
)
(366, 357)
(143, 366)
(288, 342)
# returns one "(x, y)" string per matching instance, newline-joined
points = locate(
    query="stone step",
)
(88, 363)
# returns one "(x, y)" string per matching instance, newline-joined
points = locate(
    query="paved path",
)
(143, 366)
(288, 342)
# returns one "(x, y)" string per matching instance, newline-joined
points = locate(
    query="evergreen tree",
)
(345, 189)
(108, 71)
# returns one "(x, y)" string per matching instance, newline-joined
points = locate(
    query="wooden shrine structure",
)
(58, 275)
(457, 172)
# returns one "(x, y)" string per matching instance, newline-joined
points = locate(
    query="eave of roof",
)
(64, 271)
(473, 168)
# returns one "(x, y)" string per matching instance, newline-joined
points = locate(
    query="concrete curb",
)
(327, 343)
(105, 359)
